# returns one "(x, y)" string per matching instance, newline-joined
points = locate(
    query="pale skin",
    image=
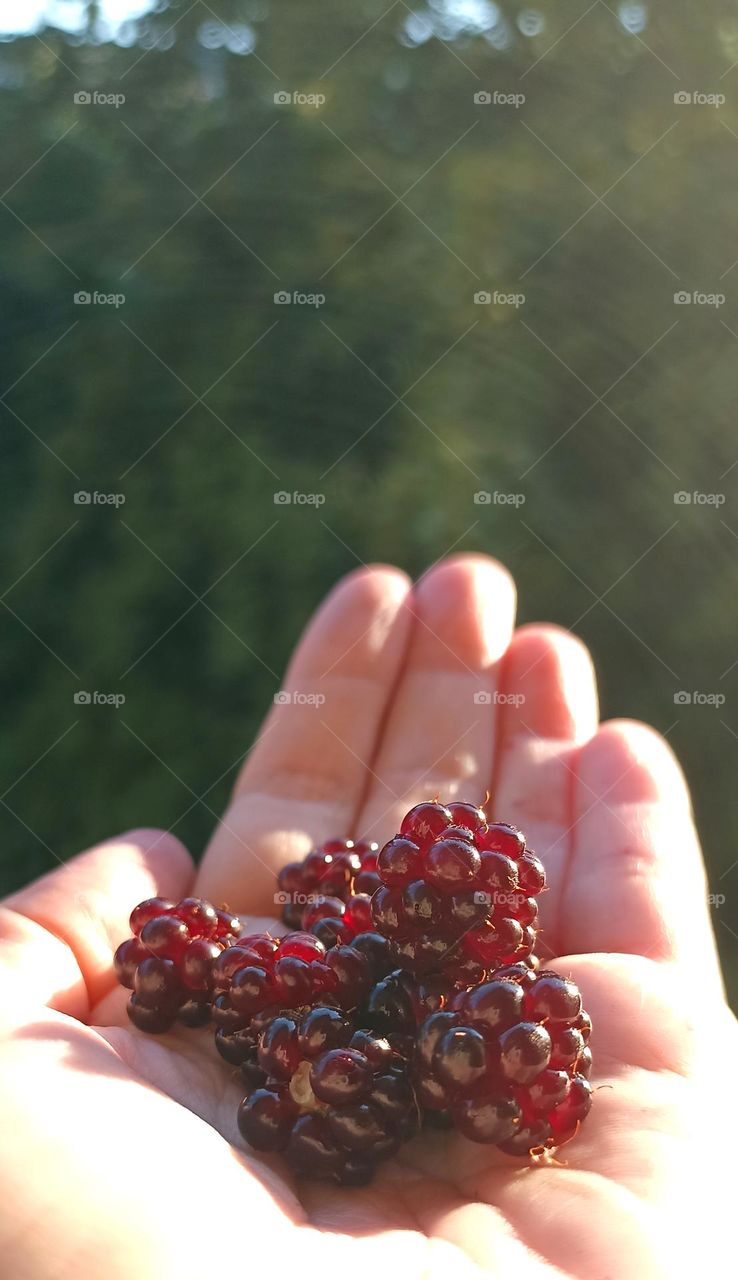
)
(120, 1154)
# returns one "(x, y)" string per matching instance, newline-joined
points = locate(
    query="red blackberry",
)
(507, 1060)
(457, 890)
(168, 963)
(263, 978)
(334, 882)
(336, 1100)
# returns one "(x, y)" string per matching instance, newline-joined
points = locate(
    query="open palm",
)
(121, 1156)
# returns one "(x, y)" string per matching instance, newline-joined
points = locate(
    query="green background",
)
(598, 197)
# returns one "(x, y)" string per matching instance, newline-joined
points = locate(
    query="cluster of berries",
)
(168, 962)
(408, 994)
(330, 891)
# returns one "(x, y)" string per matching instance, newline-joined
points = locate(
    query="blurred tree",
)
(598, 197)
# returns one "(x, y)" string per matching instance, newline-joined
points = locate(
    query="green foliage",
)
(301, 398)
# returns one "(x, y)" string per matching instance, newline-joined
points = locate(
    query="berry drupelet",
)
(336, 1100)
(168, 963)
(457, 892)
(508, 1061)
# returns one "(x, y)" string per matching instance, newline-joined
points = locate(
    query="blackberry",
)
(336, 1100)
(507, 1061)
(168, 963)
(334, 882)
(262, 979)
(457, 891)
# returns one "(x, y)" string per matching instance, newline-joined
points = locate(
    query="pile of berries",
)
(408, 994)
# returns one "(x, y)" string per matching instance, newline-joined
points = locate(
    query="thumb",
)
(58, 934)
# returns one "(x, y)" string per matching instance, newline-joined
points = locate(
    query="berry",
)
(378, 952)
(126, 960)
(266, 1118)
(400, 1002)
(399, 861)
(495, 1006)
(337, 1099)
(456, 890)
(424, 823)
(169, 962)
(525, 1051)
(194, 1013)
(279, 1050)
(506, 1059)
(326, 881)
(554, 999)
(460, 1059)
(452, 864)
(342, 1075)
(483, 1119)
(146, 911)
(323, 1029)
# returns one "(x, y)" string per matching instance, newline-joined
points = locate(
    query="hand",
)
(121, 1159)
